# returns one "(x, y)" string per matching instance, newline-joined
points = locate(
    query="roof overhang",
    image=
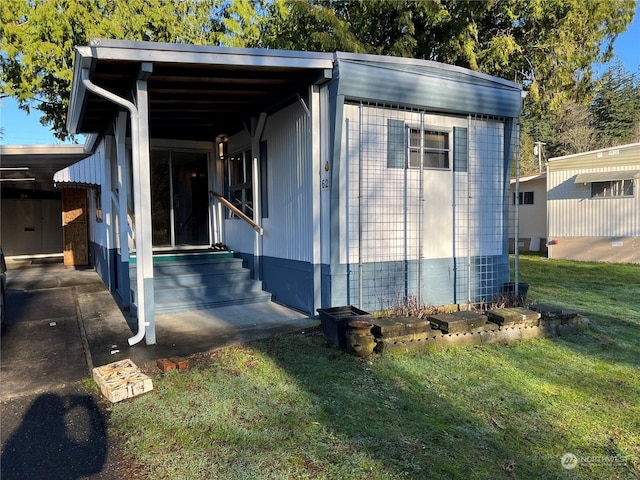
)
(23, 165)
(529, 178)
(609, 176)
(195, 92)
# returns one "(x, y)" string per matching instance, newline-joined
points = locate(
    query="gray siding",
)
(440, 88)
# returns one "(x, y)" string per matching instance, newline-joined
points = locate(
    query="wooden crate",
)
(121, 380)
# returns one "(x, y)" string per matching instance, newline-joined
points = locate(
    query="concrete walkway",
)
(62, 322)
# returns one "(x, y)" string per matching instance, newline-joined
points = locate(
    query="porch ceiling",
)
(195, 101)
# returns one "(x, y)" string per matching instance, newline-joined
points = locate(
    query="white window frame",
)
(421, 150)
(616, 189)
(241, 193)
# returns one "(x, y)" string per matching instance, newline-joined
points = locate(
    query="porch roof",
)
(195, 92)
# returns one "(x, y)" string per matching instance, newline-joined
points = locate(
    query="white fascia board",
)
(602, 150)
(530, 178)
(52, 149)
(198, 54)
(82, 59)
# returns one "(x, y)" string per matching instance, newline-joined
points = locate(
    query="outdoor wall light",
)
(222, 149)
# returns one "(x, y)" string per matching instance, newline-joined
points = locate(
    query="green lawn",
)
(295, 407)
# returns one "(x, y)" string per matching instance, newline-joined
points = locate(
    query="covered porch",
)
(165, 115)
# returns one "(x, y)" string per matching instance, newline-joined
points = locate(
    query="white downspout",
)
(140, 234)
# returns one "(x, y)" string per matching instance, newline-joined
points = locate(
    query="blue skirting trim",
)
(103, 260)
(290, 282)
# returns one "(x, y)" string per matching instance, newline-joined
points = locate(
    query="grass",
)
(294, 407)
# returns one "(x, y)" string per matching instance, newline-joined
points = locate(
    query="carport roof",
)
(195, 92)
(37, 162)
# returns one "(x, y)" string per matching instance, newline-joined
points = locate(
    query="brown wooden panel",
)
(74, 226)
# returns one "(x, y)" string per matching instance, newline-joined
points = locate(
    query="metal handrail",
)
(238, 212)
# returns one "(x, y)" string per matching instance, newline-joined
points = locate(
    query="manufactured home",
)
(528, 209)
(594, 205)
(311, 179)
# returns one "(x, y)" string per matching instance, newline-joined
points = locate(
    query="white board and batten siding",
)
(288, 229)
(388, 208)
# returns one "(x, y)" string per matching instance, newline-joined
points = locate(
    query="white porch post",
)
(107, 213)
(123, 195)
(257, 127)
(142, 200)
(316, 172)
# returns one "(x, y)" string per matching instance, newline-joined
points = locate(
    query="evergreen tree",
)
(616, 107)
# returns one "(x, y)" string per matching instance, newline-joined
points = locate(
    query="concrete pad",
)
(184, 333)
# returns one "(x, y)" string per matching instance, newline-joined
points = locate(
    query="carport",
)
(31, 207)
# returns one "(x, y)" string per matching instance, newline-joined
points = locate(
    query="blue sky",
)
(23, 129)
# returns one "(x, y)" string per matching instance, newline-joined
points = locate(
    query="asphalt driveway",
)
(51, 426)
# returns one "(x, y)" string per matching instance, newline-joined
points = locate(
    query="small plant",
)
(411, 306)
(502, 300)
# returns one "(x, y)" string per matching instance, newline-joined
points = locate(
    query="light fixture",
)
(222, 149)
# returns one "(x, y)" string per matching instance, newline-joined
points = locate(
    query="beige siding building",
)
(532, 213)
(594, 205)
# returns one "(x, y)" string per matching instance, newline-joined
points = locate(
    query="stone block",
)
(457, 322)
(121, 380)
(514, 316)
(458, 340)
(165, 365)
(388, 327)
(416, 325)
(508, 334)
(552, 312)
(399, 326)
(549, 327)
(489, 337)
(406, 342)
(528, 333)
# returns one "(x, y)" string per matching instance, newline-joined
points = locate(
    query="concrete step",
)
(204, 290)
(181, 303)
(190, 281)
(185, 267)
(195, 279)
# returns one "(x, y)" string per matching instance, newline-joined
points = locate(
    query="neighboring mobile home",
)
(594, 205)
(531, 215)
(338, 178)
